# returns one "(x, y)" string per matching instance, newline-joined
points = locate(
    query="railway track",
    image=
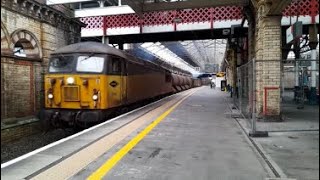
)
(25, 145)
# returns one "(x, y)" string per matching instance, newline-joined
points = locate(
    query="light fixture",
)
(95, 97)
(70, 80)
(50, 96)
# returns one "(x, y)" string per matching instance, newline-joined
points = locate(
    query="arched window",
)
(25, 44)
(18, 50)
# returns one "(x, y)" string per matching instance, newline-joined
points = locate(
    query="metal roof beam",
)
(136, 5)
(162, 6)
(180, 51)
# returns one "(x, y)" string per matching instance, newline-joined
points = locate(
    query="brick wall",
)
(21, 86)
(22, 78)
(21, 83)
(268, 66)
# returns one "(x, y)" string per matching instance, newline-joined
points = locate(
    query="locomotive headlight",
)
(50, 96)
(70, 80)
(95, 97)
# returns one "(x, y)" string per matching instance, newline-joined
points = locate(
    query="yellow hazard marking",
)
(109, 164)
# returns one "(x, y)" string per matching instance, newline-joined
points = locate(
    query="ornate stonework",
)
(43, 13)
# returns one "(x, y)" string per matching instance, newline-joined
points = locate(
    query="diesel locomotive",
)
(87, 81)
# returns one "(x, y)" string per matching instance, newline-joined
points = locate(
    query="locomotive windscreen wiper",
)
(92, 54)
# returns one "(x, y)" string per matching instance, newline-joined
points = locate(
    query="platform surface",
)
(195, 141)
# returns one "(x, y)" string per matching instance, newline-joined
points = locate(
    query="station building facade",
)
(30, 31)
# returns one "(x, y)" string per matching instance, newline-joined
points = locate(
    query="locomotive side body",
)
(146, 81)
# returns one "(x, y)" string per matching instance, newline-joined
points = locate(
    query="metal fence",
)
(245, 89)
(300, 92)
(263, 84)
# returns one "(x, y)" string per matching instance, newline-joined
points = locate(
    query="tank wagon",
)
(88, 81)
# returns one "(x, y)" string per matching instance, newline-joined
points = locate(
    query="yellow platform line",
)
(109, 164)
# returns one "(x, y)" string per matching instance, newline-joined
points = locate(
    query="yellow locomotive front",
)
(76, 82)
(78, 90)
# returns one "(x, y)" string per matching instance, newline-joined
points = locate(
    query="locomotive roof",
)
(99, 48)
(89, 47)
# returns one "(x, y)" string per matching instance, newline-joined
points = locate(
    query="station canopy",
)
(196, 56)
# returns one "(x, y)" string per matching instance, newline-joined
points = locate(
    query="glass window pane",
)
(61, 64)
(116, 66)
(90, 64)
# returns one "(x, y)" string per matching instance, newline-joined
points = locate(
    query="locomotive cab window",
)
(90, 64)
(61, 64)
(115, 65)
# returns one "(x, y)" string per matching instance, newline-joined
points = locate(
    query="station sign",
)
(294, 32)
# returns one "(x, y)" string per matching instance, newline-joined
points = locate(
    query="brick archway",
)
(28, 41)
(5, 40)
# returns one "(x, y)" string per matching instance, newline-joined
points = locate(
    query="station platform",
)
(183, 136)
